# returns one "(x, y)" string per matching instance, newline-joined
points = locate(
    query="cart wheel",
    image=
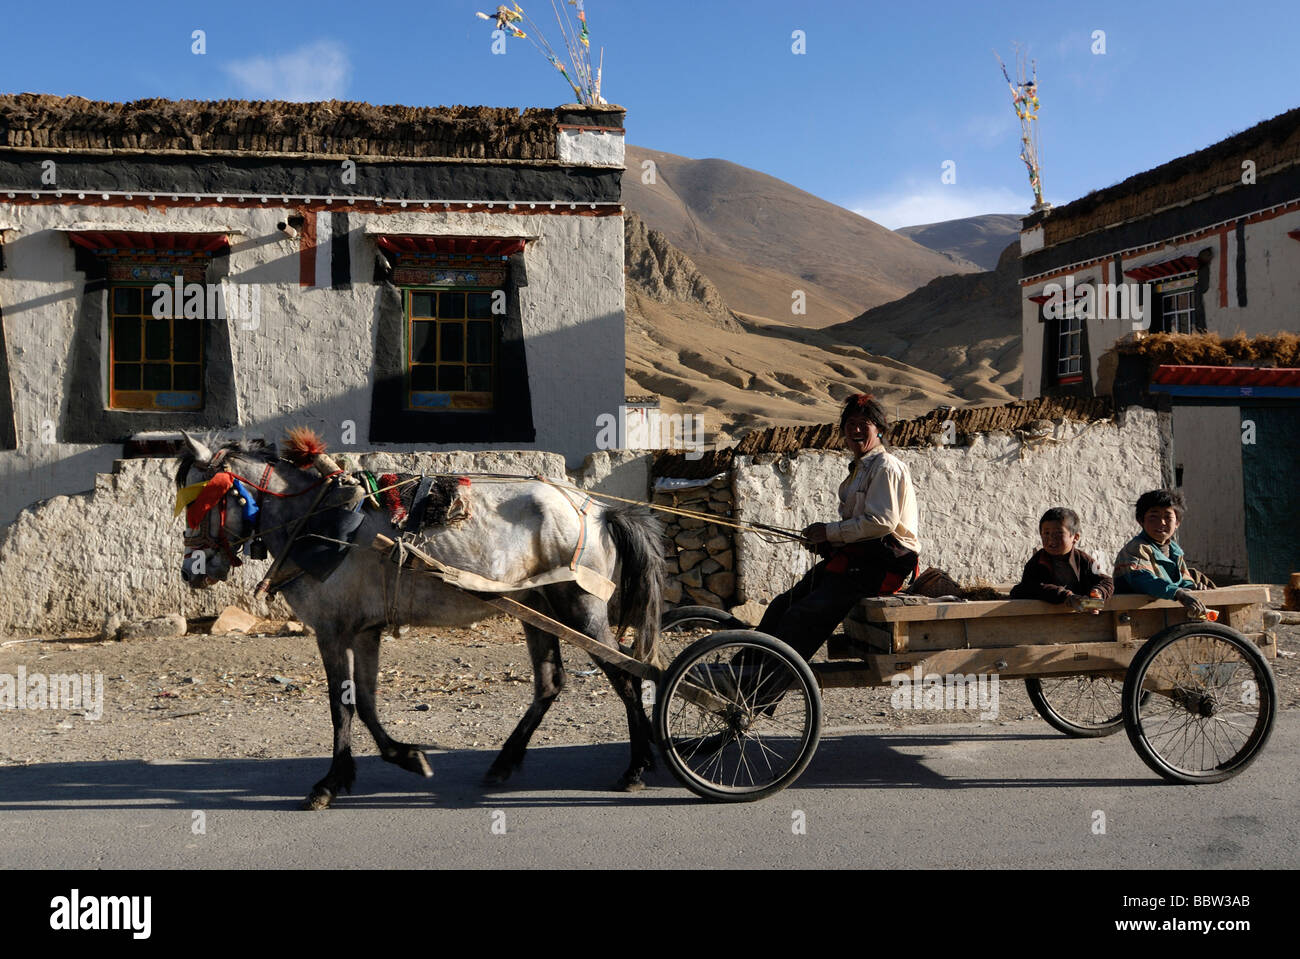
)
(1085, 707)
(738, 716)
(686, 618)
(684, 625)
(1211, 707)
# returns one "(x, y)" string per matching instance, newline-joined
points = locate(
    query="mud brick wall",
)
(70, 563)
(979, 500)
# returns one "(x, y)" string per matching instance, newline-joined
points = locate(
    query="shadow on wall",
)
(548, 398)
(113, 549)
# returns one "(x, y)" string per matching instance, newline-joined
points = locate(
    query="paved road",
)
(957, 796)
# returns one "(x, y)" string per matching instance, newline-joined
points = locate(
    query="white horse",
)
(516, 531)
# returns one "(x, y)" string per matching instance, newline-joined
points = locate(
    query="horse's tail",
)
(638, 540)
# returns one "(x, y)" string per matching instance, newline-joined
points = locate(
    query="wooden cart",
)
(738, 714)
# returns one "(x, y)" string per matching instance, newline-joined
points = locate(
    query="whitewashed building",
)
(397, 278)
(1207, 243)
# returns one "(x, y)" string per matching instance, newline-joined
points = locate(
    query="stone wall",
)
(979, 503)
(701, 555)
(72, 563)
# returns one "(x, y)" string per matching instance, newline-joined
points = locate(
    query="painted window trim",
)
(511, 419)
(85, 416)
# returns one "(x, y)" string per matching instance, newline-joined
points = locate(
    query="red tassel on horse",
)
(213, 493)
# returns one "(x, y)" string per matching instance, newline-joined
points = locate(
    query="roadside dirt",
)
(203, 696)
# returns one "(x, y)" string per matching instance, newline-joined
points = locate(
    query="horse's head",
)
(220, 504)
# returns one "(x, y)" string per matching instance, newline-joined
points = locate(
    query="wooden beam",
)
(531, 616)
(878, 610)
(1014, 662)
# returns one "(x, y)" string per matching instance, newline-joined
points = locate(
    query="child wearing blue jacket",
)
(1151, 562)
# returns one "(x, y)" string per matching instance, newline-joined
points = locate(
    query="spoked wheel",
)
(685, 618)
(684, 625)
(1211, 707)
(738, 716)
(1085, 707)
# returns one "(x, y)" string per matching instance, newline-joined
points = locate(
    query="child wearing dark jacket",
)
(1059, 572)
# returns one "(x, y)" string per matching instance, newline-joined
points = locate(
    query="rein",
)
(231, 547)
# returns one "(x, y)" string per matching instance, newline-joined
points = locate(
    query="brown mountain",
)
(759, 239)
(965, 329)
(685, 345)
(980, 239)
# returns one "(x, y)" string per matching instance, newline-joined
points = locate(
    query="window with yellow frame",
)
(451, 348)
(155, 362)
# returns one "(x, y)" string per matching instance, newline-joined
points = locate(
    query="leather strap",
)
(416, 515)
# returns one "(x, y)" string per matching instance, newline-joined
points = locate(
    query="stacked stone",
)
(701, 555)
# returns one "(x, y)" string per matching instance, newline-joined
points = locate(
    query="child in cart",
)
(1060, 572)
(1152, 563)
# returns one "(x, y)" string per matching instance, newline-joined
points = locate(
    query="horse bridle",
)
(216, 537)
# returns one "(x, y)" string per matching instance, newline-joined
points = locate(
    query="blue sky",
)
(883, 96)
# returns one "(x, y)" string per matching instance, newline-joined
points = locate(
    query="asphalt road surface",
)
(961, 796)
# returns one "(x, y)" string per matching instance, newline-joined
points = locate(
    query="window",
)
(1069, 351)
(450, 364)
(451, 349)
(155, 356)
(1177, 305)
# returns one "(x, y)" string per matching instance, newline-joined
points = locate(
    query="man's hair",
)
(864, 404)
(1161, 499)
(1061, 514)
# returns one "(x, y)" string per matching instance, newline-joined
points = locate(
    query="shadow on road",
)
(902, 761)
(551, 776)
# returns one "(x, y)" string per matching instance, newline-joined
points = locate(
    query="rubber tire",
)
(672, 677)
(1133, 684)
(1034, 687)
(711, 614)
(689, 617)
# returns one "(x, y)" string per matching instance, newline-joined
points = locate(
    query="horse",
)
(516, 530)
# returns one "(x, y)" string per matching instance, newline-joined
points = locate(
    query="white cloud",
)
(990, 130)
(915, 205)
(317, 71)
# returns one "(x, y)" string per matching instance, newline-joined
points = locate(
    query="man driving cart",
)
(871, 551)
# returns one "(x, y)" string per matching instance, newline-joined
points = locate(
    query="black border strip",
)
(282, 176)
(1279, 188)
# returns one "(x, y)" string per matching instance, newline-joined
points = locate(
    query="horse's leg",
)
(366, 670)
(548, 680)
(336, 652)
(588, 614)
(639, 730)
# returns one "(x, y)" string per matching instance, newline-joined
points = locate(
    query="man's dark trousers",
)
(806, 615)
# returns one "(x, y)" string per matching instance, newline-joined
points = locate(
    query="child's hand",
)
(1076, 602)
(1195, 608)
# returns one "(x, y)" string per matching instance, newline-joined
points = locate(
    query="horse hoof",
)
(318, 800)
(416, 763)
(628, 785)
(495, 776)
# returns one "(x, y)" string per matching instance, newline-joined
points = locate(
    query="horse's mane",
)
(302, 445)
(212, 441)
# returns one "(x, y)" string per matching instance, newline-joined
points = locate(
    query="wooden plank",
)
(1008, 663)
(876, 609)
(1122, 625)
(877, 637)
(593, 646)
